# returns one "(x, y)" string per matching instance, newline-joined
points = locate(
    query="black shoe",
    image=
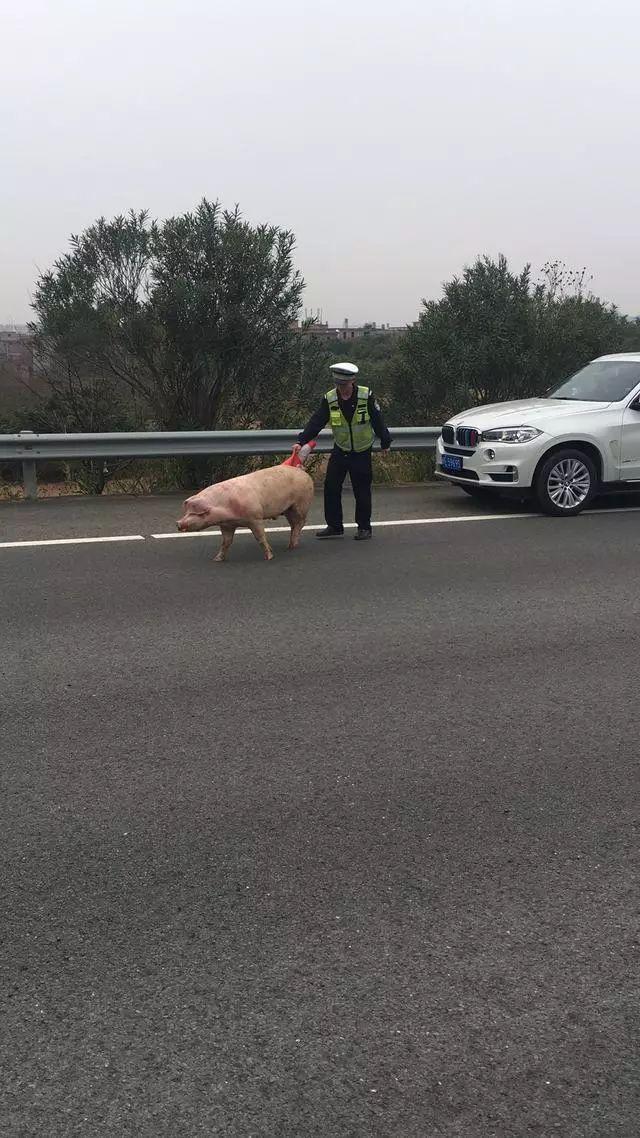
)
(364, 535)
(330, 532)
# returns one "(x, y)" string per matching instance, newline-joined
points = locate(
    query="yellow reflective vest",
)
(357, 435)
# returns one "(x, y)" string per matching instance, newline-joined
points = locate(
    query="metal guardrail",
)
(29, 448)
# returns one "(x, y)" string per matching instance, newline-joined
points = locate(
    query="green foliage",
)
(630, 332)
(286, 403)
(192, 316)
(10, 421)
(498, 335)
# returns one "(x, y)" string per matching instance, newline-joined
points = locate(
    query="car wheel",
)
(565, 483)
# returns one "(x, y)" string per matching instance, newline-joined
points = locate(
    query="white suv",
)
(584, 438)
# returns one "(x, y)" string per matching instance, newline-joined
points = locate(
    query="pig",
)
(250, 500)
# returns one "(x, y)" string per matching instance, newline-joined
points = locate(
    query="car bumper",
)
(492, 466)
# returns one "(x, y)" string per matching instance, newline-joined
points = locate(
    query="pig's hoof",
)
(268, 556)
(220, 557)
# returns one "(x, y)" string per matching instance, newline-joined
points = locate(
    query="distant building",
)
(317, 330)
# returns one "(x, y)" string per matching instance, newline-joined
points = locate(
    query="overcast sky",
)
(396, 139)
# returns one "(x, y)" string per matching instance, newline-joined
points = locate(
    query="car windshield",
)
(606, 381)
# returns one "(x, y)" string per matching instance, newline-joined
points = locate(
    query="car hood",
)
(523, 413)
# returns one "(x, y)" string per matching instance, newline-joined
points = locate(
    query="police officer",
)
(355, 419)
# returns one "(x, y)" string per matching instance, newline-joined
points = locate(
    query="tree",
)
(497, 335)
(193, 316)
(572, 325)
(304, 380)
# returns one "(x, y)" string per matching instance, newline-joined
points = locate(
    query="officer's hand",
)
(384, 450)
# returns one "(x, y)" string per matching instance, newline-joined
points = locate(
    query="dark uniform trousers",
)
(357, 464)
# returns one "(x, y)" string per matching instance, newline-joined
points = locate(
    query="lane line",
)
(69, 541)
(350, 525)
(402, 522)
(316, 526)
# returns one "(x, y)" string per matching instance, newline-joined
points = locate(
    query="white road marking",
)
(286, 529)
(68, 541)
(401, 522)
(352, 525)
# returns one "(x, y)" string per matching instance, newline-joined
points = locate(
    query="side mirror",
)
(635, 405)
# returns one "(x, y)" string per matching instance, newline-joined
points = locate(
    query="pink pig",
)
(250, 500)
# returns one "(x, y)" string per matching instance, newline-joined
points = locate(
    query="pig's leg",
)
(227, 532)
(296, 520)
(257, 529)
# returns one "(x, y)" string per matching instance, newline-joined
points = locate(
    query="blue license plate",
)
(451, 462)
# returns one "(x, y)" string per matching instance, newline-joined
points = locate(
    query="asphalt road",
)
(341, 845)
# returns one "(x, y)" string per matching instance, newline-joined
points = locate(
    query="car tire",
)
(565, 483)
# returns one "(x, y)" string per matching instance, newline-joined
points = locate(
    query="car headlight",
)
(511, 435)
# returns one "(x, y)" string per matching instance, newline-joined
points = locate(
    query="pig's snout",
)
(193, 520)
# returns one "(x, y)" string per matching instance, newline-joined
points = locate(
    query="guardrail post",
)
(29, 479)
(29, 476)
